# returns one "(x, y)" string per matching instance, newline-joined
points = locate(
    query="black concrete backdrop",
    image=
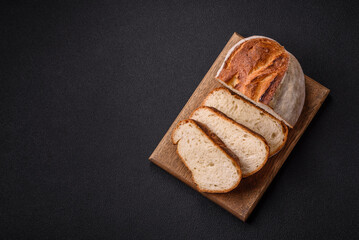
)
(88, 89)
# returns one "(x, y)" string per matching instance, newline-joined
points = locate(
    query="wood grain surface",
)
(242, 200)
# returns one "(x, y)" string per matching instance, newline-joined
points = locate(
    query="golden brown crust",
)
(219, 147)
(256, 68)
(222, 115)
(284, 127)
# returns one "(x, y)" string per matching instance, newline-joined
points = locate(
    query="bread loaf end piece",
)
(262, 71)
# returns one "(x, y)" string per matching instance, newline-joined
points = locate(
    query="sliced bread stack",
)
(226, 139)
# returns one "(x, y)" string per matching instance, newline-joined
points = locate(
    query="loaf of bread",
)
(249, 115)
(250, 148)
(213, 169)
(262, 71)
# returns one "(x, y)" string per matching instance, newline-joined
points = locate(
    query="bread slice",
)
(213, 170)
(242, 111)
(251, 148)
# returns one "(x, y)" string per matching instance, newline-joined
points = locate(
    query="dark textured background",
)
(89, 88)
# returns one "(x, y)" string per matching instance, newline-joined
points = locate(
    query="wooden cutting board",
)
(242, 200)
